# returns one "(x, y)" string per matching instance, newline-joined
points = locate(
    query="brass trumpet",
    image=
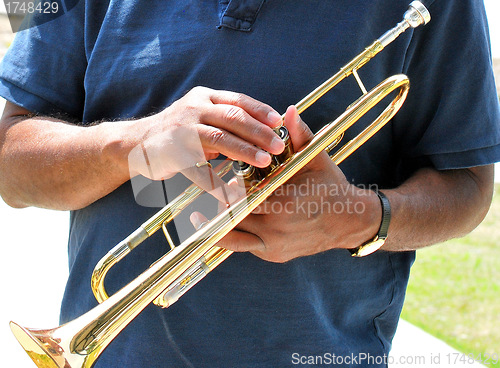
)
(78, 343)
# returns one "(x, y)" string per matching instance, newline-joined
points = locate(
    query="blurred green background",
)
(454, 289)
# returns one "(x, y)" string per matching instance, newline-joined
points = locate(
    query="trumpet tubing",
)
(78, 343)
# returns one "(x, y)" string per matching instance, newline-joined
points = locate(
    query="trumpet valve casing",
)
(248, 175)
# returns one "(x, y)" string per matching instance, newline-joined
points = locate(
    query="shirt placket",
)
(239, 15)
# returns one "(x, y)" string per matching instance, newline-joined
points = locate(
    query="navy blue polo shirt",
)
(120, 59)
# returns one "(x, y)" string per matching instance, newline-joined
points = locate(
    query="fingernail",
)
(263, 158)
(195, 220)
(277, 145)
(290, 112)
(274, 118)
(201, 224)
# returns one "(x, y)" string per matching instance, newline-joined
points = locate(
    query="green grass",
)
(454, 289)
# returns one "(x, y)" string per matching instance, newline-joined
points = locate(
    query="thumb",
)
(300, 134)
(198, 220)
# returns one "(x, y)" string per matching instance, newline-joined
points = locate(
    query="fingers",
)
(216, 140)
(300, 134)
(241, 241)
(206, 178)
(258, 110)
(240, 122)
(236, 240)
(198, 220)
(240, 128)
(233, 132)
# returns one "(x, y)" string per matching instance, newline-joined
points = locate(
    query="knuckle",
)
(216, 137)
(196, 95)
(261, 108)
(305, 129)
(260, 130)
(198, 90)
(238, 99)
(246, 151)
(234, 114)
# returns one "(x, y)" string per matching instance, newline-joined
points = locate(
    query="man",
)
(121, 72)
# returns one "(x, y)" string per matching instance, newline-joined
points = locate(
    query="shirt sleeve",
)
(451, 118)
(44, 68)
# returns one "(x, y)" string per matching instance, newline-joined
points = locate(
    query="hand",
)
(198, 127)
(315, 211)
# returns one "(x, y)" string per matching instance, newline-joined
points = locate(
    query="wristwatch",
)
(379, 240)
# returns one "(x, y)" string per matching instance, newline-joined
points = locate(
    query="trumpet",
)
(79, 343)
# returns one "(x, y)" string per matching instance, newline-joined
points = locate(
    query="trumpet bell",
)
(39, 347)
(51, 348)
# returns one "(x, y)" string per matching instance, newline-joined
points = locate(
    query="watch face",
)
(368, 248)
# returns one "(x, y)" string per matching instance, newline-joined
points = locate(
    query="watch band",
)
(386, 215)
(381, 236)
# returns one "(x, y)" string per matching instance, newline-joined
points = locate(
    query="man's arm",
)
(50, 163)
(434, 206)
(430, 207)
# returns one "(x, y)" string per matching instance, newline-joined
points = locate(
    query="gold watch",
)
(379, 240)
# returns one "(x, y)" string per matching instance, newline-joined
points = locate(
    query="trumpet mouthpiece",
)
(417, 14)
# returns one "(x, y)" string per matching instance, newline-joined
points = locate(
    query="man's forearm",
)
(49, 163)
(434, 206)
